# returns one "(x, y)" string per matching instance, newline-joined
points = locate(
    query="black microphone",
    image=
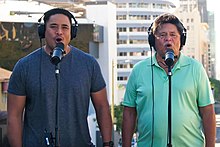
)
(57, 54)
(169, 57)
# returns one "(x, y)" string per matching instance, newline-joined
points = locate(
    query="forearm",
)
(103, 114)
(15, 108)
(14, 132)
(209, 125)
(105, 124)
(128, 126)
(127, 134)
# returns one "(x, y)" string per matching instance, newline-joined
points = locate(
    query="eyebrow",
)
(53, 24)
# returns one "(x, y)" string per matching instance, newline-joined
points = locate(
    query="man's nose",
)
(59, 30)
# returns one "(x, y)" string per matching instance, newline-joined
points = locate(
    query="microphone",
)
(57, 53)
(169, 57)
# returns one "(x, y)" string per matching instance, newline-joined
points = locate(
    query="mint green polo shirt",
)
(190, 90)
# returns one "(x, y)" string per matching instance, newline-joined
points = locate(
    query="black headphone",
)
(41, 26)
(151, 37)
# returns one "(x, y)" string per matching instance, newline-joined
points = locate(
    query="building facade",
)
(200, 42)
(133, 19)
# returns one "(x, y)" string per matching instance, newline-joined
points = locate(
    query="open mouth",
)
(58, 40)
(168, 45)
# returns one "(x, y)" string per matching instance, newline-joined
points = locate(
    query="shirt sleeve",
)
(98, 82)
(17, 80)
(205, 95)
(131, 92)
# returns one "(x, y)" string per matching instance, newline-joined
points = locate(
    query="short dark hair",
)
(57, 11)
(168, 18)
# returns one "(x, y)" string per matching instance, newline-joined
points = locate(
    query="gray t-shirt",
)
(34, 77)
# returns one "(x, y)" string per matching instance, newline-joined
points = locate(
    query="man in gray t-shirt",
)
(36, 87)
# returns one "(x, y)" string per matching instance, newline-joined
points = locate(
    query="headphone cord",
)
(41, 43)
(152, 83)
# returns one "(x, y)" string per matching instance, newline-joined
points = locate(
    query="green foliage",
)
(215, 84)
(118, 117)
(11, 52)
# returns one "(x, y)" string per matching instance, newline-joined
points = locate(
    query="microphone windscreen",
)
(169, 57)
(60, 45)
(57, 53)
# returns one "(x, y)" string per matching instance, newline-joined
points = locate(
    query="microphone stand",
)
(169, 110)
(57, 137)
(56, 57)
(48, 136)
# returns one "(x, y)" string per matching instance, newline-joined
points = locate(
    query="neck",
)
(48, 50)
(162, 64)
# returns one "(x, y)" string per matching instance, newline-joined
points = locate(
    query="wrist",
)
(108, 144)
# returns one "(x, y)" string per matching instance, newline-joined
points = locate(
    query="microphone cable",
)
(152, 84)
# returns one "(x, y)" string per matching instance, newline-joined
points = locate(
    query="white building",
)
(133, 19)
(199, 45)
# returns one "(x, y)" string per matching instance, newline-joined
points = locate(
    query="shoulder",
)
(143, 64)
(185, 61)
(31, 57)
(140, 69)
(193, 66)
(82, 56)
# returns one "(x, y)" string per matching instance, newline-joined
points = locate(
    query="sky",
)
(212, 6)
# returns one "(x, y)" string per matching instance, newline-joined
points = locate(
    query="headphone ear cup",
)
(41, 31)
(151, 39)
(73, 31)
(183, 38)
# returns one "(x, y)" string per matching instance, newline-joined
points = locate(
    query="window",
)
(122, 78)
(121, 42)
(121, 5)
(137, 29)
(122, 29)
(122, 54)
(121, 17)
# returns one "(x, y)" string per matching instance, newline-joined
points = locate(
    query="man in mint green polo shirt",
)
(146, 97)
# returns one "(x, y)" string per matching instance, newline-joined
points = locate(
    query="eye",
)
(66, 27)
(53, 26)
(174, 35)
(162, 35)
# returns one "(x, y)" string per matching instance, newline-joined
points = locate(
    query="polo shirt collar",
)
(182, 61)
